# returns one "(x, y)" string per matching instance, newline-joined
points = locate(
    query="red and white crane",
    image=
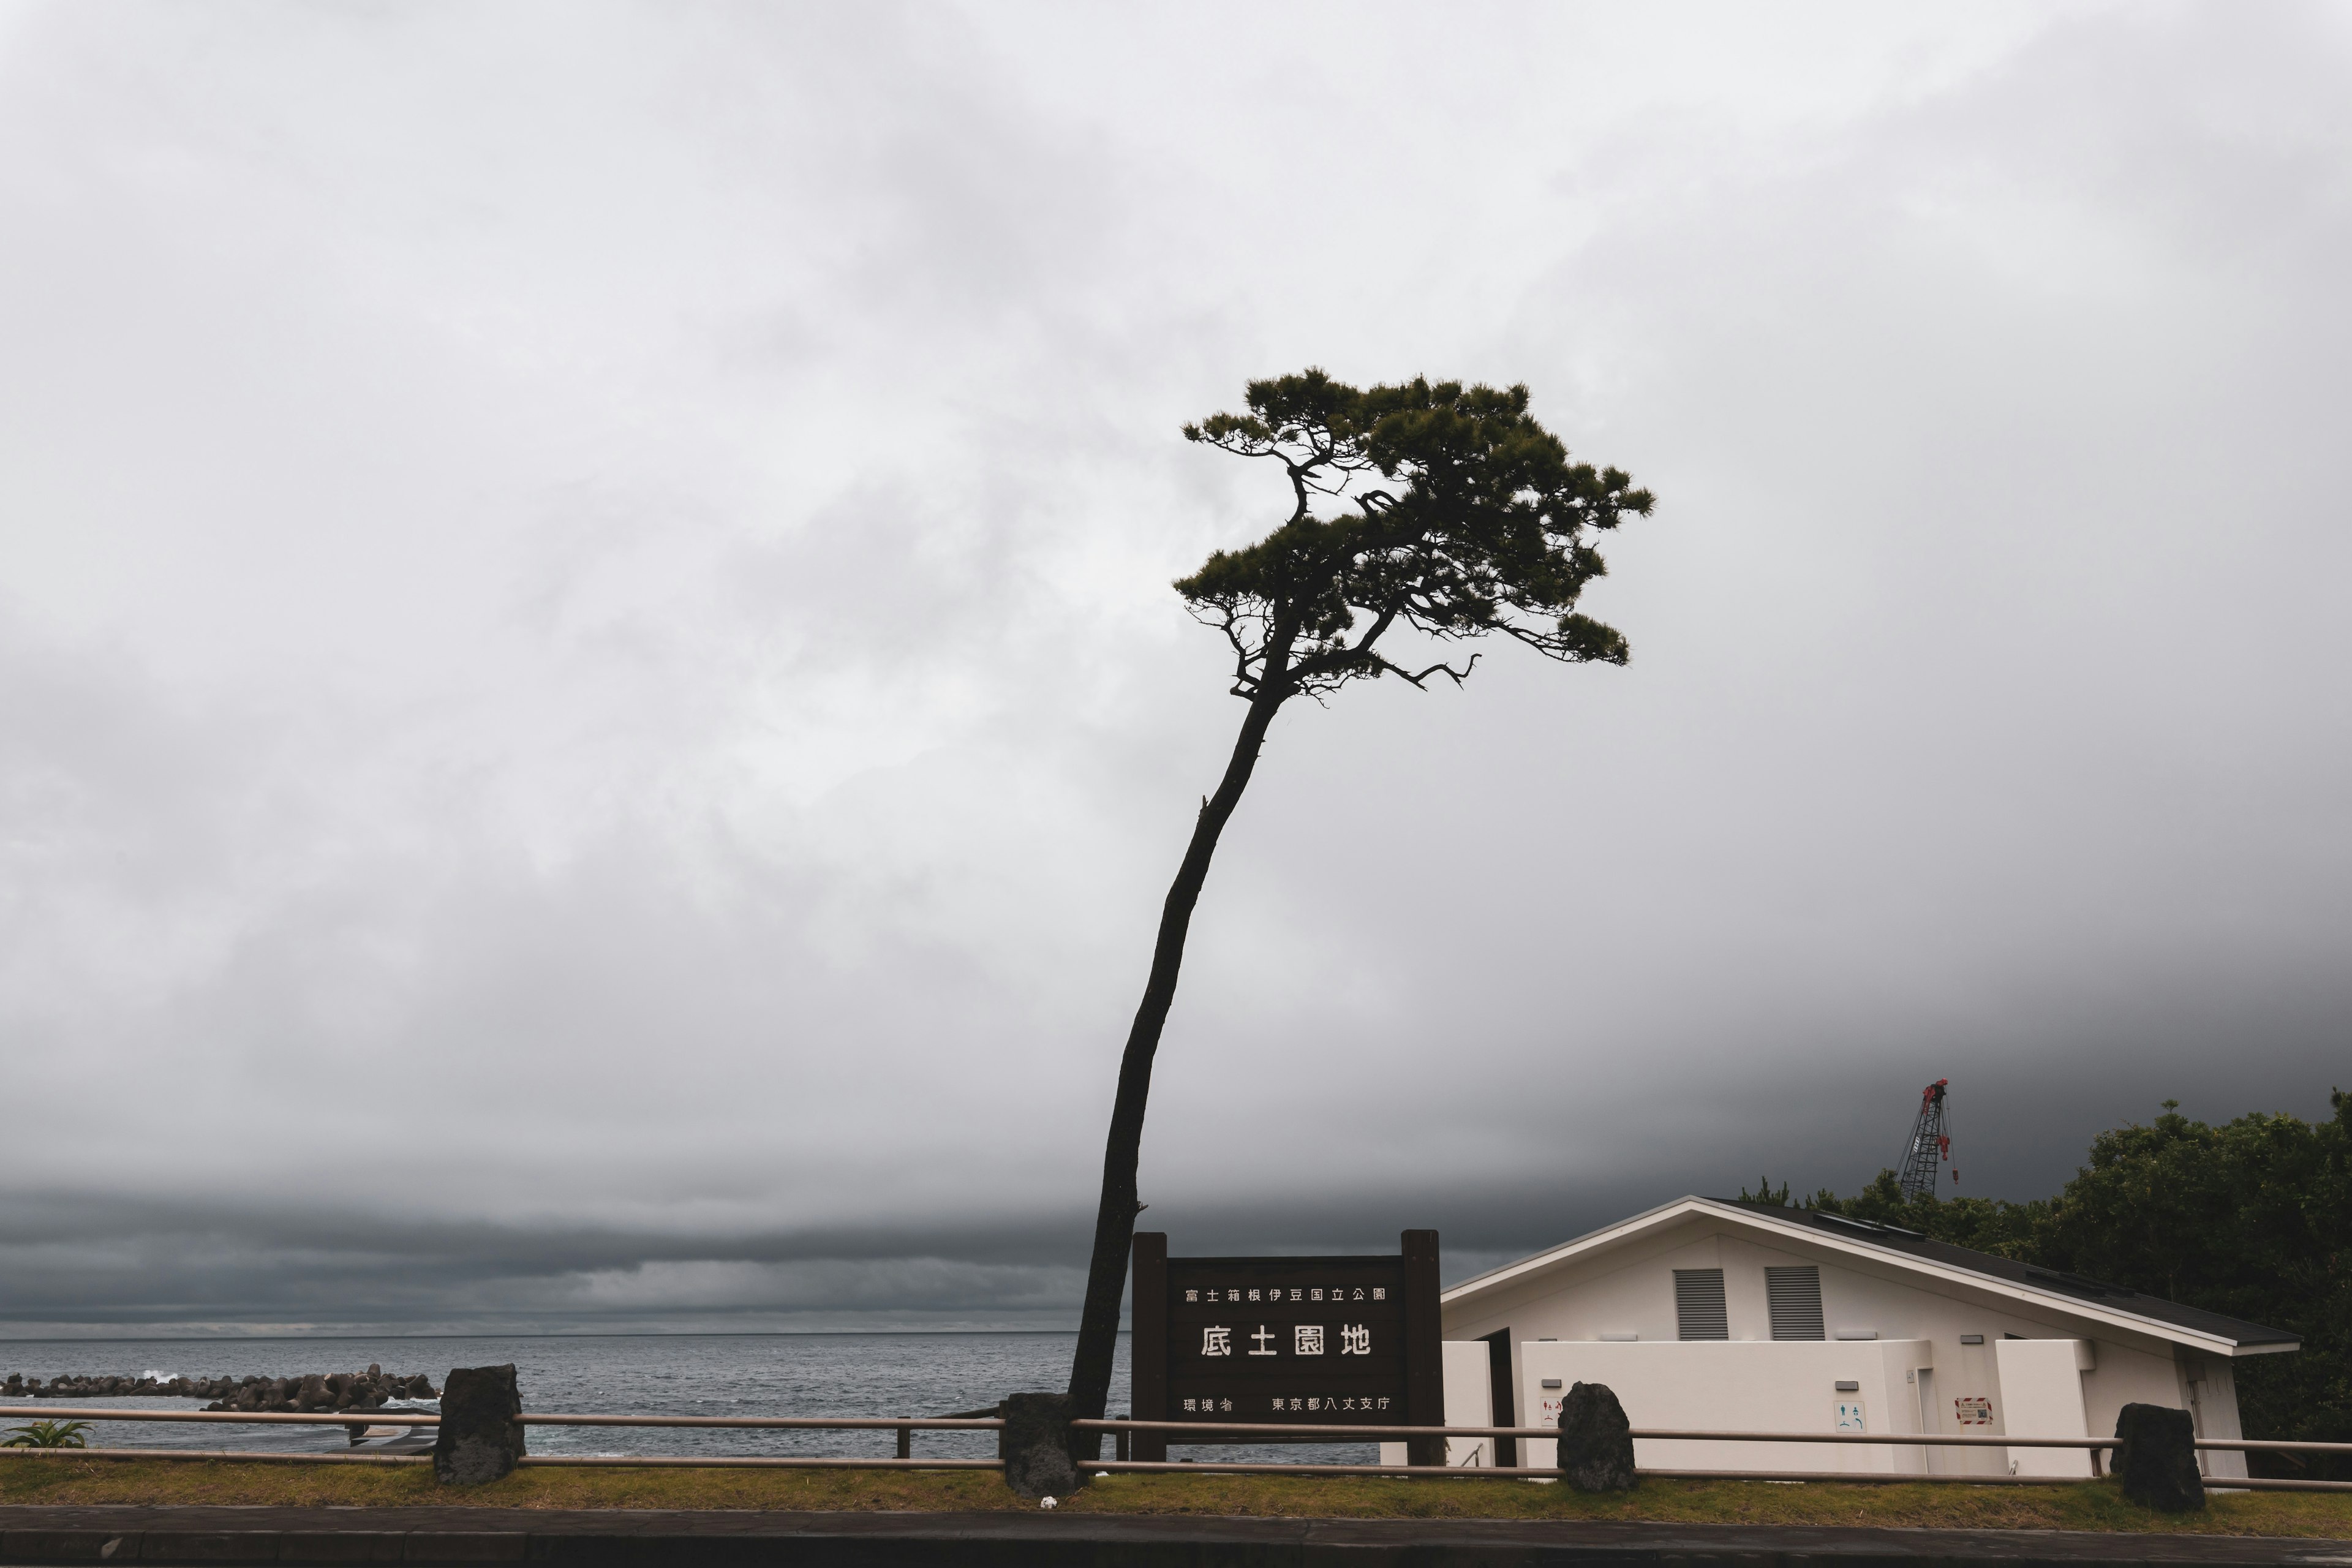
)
(1931, 1145)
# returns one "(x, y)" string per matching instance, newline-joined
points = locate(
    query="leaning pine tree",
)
(1452, 514)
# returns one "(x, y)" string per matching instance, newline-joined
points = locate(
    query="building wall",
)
(2130, 1375)
(1738, 1386)
(2212, 1385)
(1625, 1296)
(1469, 1402)
(2042, 1396)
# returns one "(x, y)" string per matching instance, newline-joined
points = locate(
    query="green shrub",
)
(48, 1435)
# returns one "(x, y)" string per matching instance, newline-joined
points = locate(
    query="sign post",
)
(1234, 1342)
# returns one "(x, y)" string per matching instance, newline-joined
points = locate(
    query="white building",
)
(1704, 1314)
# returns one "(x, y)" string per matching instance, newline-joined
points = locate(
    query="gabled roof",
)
(2115, 1306)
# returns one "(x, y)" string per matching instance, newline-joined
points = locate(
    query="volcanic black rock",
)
(1596, 1441)
(479, 1441)
(2157, 1459)
(1035, 1444)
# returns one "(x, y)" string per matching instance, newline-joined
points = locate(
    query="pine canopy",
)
(1445, 508)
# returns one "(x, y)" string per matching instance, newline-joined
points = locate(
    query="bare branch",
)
(1372, 634)
(1551, 645)
(1420, 680)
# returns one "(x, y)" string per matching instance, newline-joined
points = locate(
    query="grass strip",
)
(56, 1480)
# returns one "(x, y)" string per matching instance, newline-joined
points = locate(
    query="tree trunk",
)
(1115, 1221)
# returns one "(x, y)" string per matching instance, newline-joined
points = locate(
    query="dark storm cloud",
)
(151, 1262)
(590, 726)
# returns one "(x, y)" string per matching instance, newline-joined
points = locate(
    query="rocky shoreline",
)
(314, 1391)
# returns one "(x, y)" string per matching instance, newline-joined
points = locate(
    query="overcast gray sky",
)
(592, 728)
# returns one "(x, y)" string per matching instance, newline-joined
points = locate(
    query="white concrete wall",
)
(2212, 1387)
(2130, 1375)
(2042, 1396)
(1628, 1290)
(1469, 1402)
(1738, 1386)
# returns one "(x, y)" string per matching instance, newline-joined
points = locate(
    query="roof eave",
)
(2174, 1334)
(1538, 1261)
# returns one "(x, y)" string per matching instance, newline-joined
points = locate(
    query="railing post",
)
(1146, 1343)
(906, 1442)
(1119, 1446)
(1425, 1365)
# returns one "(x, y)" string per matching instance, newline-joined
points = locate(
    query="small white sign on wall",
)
(1849, 1415)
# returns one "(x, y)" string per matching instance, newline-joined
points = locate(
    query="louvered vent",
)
(1698, 1305)
(1794, 1296)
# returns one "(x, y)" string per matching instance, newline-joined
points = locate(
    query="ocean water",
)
(635, 1374)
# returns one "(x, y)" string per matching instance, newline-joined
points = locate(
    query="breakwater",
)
(310, 1391)
(654, 1375)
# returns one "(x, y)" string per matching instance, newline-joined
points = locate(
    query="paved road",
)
(53, 1537)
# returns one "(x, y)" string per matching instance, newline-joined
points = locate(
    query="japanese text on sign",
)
(1233, 1294)
(1306, 1339)
(1313, 1340)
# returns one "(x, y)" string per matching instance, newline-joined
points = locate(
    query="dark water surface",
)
(635, 1374)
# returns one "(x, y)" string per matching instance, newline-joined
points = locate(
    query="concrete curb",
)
(52, 1537)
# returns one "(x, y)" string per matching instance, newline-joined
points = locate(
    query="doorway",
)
(1498, 1373)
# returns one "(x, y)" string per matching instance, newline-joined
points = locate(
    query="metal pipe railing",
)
(246, 1456)
(844, 1422)
(753, 1462)
(1548, 1472)
(1240, 1432)
(554, 1461)
(422, 1418)
(904, 1426)
(1243, 1432)
(233, 1418)
(1873, 1477)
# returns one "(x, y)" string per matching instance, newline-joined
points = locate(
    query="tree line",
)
(2252, 1218)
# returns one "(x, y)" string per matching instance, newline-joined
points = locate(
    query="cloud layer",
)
(590, 726)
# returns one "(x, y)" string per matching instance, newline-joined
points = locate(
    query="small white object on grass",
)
(1047, 1502)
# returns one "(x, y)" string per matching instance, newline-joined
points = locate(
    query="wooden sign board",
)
(1234, 1342)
